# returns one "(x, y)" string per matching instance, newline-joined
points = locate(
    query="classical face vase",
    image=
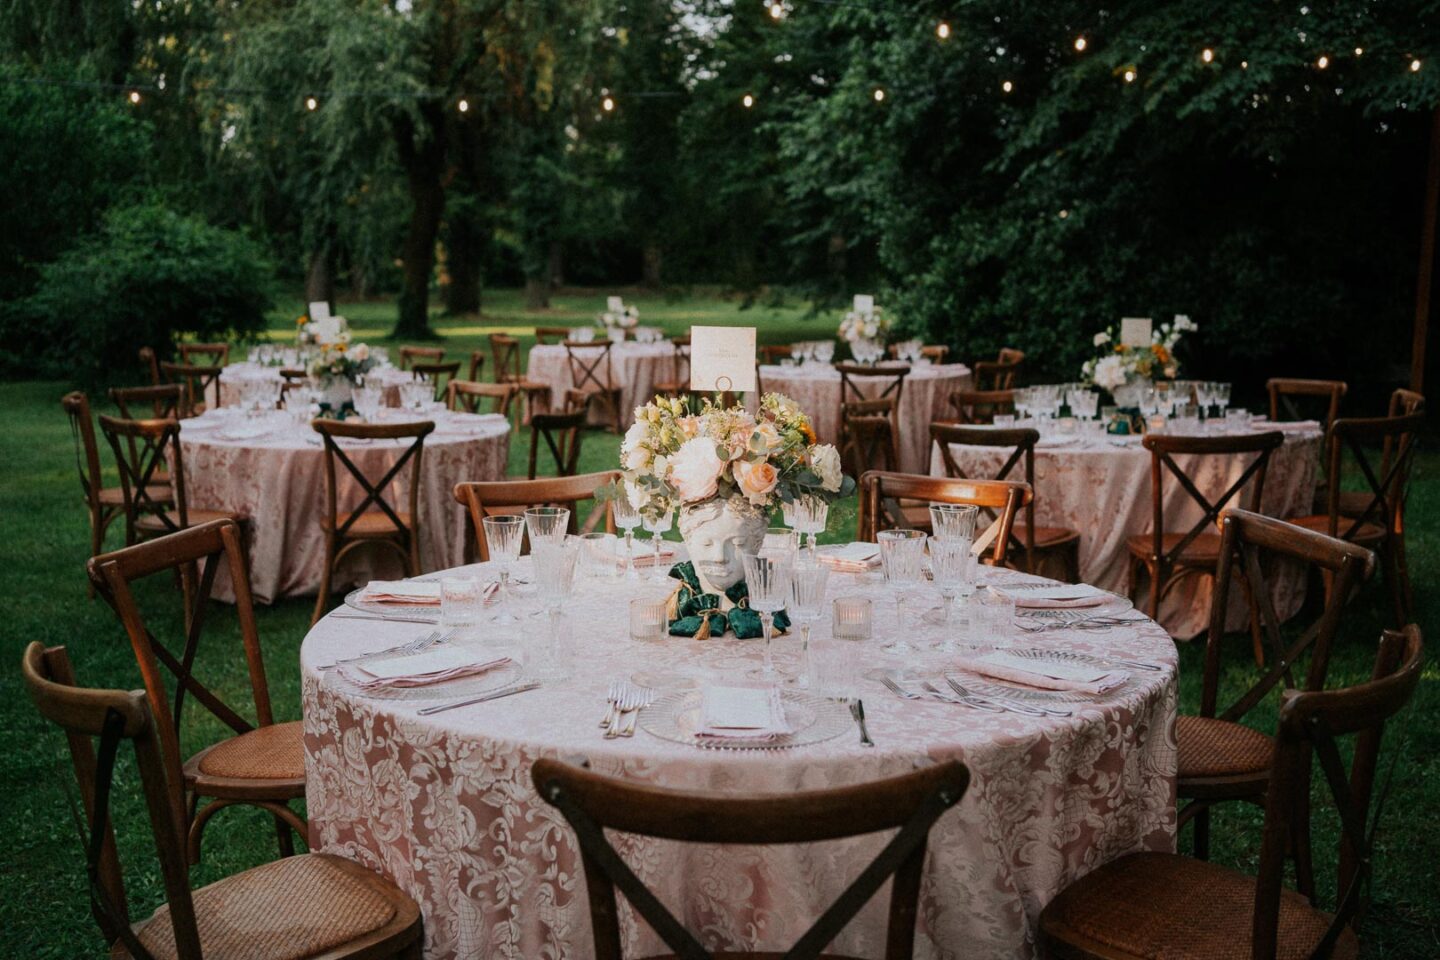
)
(718, 533)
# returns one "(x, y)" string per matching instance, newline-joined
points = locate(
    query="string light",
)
(463, 106)
(134, 96)
(879, 94)
(1359, 51)
(1007, 86)
(1244, 64)
(608, 104)
(1207, 55)
(943, 30)
(1130, 74)
(777, 11)
(311, 103)
(1323, 62)
(1080, 44)
(747, 101)
(1415, 65)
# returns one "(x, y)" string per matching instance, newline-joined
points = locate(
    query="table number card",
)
(320, 310)
(722, 358)
(614, 304)
(1135, 331)
(864, 303)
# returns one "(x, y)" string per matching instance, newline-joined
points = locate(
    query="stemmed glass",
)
(555, 582)
(658, 524)
(767, 581)
(503, 534)
(808, 514)
(807, 602)
(952, 565)
(546, 524)
(627, 518)
(1221, 397)
(901, 554)
(954, 521)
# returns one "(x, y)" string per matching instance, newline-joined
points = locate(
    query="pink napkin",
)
(852, 558)
(647, 559)
(416, 592)
(435, 665)
(742, 712)
(1045, 675)
(1059, 596)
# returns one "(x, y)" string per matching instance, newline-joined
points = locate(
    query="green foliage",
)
(147, 276)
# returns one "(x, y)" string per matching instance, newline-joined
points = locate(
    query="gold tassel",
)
(672, 605)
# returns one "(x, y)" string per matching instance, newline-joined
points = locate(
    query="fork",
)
(613, 697)
(898, 690)
(1010, 705)
(414, 646)
(632, 698)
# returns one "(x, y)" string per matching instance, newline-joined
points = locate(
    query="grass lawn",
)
(43, 908)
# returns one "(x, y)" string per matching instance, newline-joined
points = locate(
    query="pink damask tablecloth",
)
(276, 481)
(926, 397)
(634, 367)
(1102, 488)
(444, 805)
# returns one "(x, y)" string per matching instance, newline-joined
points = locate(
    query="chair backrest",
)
(1404, 401)
(935, 352)
(437, 373)
(115, 716)
(87, 452)
(680, 362)
(1163, 450)
(773, 353)
(477, 365)
(197, 381)
(333, 430)
(411, 354)
(561, 434)
(1021, 443)
(1309, 726)
(887, 382)
(141, 449)
(870, 437)
(549, 335)
(484, 498)
(1389, 486)
(992, 375)
(880, 491)
(162, 401)
(205, 354)
(1251, 545)
(151, 363)
(589, 364)
(505, 350)
(1288, 395)
(468, 395)
(290, 378)
(982, 406)
(1010, 355)
(910, 803)
(207, 547)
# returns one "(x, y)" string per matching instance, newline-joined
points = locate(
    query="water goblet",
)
(1222, 396)
(598, 553)
(555, 562)
(658, 524)
(809, 515)
(952, 566)
(953, 521)
(627, 518)
(546, 524)
(902, 553)
(503, 535)
(781, 542)
(807, 602)
(767, 581)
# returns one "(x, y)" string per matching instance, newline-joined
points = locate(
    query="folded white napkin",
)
(1044, 674)
(852, 557)
(434, 665)
(751, 712)
(1053, 596)
(401, 591)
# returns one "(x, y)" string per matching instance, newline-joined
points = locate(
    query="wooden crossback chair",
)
(205, 354)
(773, 353)
(439, 374)
(561, 434)
(994, 375)
(590, 374)
(935, 353)
(1010, 355)
(1164, 905)
(982, 406)
(198, 382)
(872, 439)
(477, 366)
(490, 498)
(260, 764)
(534, 395)
(160, 402)
(151, 363)
(410, 355)
(886, 383)
(910, 803)
(1288, 397)
(880, 493)
(1170, 557)
(326, 905)
(1035, 544)
(1380, 525)
(1220, 758)
(103, 503)
(1354, 503)
(677, 384)
(546, 336)
(290, 378)
(376, 520)
(153, 508)
(468, 396)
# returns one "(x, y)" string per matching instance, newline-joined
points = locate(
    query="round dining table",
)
(246, 371)
(270, 470)
(634, 368)
(924, 398)
(1101, 486)
(444, 806)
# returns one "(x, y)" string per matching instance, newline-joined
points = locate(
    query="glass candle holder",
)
(852, 618)
(461, 600)
(647, 619)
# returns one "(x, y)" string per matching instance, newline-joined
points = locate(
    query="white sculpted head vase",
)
(718, 533)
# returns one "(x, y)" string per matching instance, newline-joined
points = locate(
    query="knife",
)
(494, 695)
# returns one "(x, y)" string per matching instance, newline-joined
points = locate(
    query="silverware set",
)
(383, 619)
(964, 697)
(414, 646)
(626, 700)
(1069, 620)
(857, 710)
(514, 688)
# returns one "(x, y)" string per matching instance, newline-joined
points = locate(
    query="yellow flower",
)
(301, 321)
(808, 430)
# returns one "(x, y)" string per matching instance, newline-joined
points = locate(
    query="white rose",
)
(1102, 338)
(695, 470)
(825, 461)
(1110, 372)
(360, 353)
(636, 459)
(634, 436)
(635, 494)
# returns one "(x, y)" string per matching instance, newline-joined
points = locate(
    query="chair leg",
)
(1202, 834)
(323, 600)
(1389, 568)
(1072, 562)
(97, 546)
(1257, 639)
(284, 838)
(1156, 583)
(1402, 569)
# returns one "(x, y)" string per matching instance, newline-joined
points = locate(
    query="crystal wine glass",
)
(809, 515)
(627, 518)
(658, 524)
(767, 580)
(1222, 396)
(555, 562)
(503, 534)
(953, 521)
(950, 563)
(546, 524)
(807, 602)
(901, 554)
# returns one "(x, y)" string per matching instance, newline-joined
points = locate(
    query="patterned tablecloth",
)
(272, 472)
(1101, 487)
(926, 397)
(634, 367)
(444, 805)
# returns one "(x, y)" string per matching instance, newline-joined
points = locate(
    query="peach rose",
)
(756, 480)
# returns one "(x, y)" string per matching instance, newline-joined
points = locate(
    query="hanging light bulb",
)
(1207, 55)
(311, 104)
(1130, 74)
(1415, 65)
(1080, 44)
(747, 101)
(463, 106)
(879, 94)
(134, 96)
(1359, 51)
(608, 104)
(1323, 62)
(1007, 86)
(943, 30)
(1244, 64)
(777, 11)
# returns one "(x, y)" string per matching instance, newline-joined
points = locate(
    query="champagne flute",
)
(767, 581)
(503, 534)
(555, 582)
(807, 602)
(627, 518)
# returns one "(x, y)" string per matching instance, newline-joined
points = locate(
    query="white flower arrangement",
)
(864, 325)
(623, 319)
(1115, 366)
(672, 457)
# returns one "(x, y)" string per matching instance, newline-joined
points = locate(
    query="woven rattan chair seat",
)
(273, 752)
(1217, 748)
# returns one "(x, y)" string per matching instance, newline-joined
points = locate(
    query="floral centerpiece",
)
(619, 316)
(726, 470)
(335, 362)
(866, 330)
(1117, 366)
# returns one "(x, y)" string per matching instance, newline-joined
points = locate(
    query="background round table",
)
(275, 479)
(444, 805)
(926, 397)
(389, 378)
(634, 367)
(1101, 487)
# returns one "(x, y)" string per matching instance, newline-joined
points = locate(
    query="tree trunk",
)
(537, 293)
(423, 163)
(557, 265)
(320, 277)
(650, 275)
(465, 248)
(835, 256)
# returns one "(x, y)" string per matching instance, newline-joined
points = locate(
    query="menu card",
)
(1135, 331)
(722, 358)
